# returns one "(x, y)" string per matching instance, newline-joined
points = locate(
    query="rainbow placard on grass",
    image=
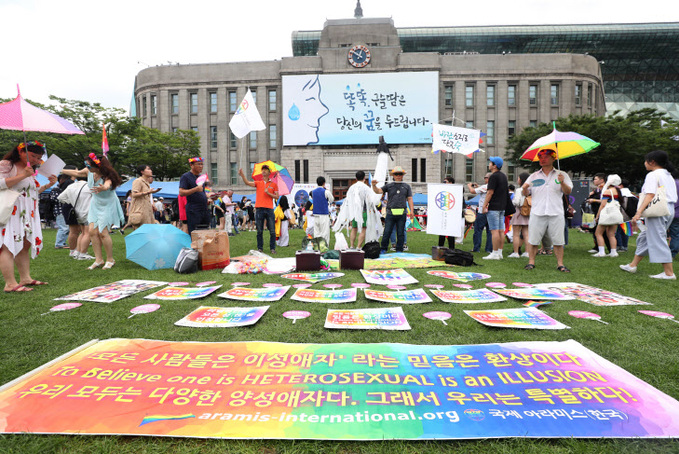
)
(525, 317)
(268, 294)
(308, 295)
(592, 295)
(460, 277)
(347, 391)
(222, 317)
(391, 318)
(468, 296)
(182, 293)
(417, 296)
(388, 277)
(113, 292)
(533, 293)
(312, 278)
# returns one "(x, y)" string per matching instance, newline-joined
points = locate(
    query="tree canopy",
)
(130, 143)
(625, 140)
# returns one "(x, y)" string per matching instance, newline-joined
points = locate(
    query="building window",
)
(254, 96)
(213, 137)
(253, 140)
(423, 170)
(469, 96)
(589, 95)
(578, 94)
(511, 95)
(490, 130)
(533, 95)
(233, 167)
(233, 101)
(448, 95)
(511, 127)
(213, 102)
(174, 129)
(533, 124)
(306, 171)
(213, 174)
(252, 168)
(154, 105)
(414, 170)
(554, 94)
(449, 167)
(194, 102)
(298, 169)
(174, 103)
(511, 173)
(233, 142)
(469, 169)
(469, 124)
(145, 107)
(490, 95)
(272, 100)
(194, 129)
(273, 139)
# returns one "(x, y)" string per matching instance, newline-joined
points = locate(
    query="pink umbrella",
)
(19, 115)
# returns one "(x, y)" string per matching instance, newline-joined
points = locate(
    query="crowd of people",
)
(87, 210)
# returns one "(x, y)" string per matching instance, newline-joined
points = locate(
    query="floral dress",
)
(24, 223)
(105, 209)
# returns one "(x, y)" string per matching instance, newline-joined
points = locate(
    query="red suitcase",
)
(352, 259)
(307, 261)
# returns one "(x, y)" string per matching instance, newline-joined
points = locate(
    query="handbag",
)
(658, 206)
(510, 209)
(526, 206)
(611, 214)
(8, 198)
(469, 216)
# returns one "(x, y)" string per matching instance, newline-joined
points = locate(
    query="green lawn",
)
(644, 346)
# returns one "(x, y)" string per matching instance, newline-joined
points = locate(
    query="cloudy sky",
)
(91, 50)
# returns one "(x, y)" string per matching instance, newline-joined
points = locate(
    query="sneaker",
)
(612, 254)
(514, 255)
(629, 269)
(525, 254)
(664, 276)
(622, 249)
(599, 254)
(593, 251)
(492, 256)
(273, 252)
(85, 257)
(392, 249)
(405, 248)
(74, 253)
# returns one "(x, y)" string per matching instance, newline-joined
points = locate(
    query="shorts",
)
(354, 224)
(552, 225)
(496, 220)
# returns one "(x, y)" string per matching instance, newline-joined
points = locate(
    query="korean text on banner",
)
(455, 140)
(444, 209)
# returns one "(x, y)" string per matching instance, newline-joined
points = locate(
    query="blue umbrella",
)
(156, 246)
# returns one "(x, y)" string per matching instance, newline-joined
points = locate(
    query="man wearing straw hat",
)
(400, 197)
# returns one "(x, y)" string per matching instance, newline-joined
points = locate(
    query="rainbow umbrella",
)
(566, 144)
(279, 175)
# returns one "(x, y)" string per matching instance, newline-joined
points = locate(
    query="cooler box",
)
(351, 259)
(307, 261)
(212, 247)
(438, 253)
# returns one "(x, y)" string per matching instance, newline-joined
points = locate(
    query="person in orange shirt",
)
(267, 192)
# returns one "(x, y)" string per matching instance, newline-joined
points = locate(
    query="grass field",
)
(644, 346)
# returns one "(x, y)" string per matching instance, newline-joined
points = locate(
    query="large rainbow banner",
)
(335, 391)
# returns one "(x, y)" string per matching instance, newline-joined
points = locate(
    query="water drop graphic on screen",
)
(293, 113)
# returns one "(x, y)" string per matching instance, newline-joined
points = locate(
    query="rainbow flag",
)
(467, 231)
(104, 141)
(627, 228)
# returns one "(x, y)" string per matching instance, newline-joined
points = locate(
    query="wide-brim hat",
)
(398, 169)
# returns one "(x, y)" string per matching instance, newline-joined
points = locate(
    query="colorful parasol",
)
(279, 175)
(566, 144)
(19, 115)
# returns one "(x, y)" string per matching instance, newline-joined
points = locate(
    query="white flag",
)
(246, 118)
(455, 140)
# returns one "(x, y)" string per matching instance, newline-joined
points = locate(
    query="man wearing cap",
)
(494, 205)
(197, 212)
(481, 221)
(400, 197)
(267, 192)
(547, 186)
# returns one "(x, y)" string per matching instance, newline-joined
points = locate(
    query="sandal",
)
(95, 265)
(19, 288)
(34, 282)
(109, 265)
(529, 267)
(563, 269)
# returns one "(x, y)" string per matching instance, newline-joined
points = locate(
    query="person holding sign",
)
(400, 197)
(494, 206)
(197, 212)
(547, 187)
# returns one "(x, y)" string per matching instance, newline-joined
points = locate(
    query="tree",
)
(625, 140)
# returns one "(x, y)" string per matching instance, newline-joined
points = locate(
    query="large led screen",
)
(355, 109)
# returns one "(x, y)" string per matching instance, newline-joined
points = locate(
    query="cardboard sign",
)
(182, 293)
(255, 294)
(222, 317)
(417, 296)
(112, 292)
(468, 296)
(386, 277)
(592, 295)
(460, 277)
(525, 318)
(391, 318)
(308, 295)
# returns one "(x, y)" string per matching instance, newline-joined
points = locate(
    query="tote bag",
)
(8, 198)
(611, 214)
(658, 206)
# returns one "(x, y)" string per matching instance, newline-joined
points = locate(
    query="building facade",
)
(498, 94)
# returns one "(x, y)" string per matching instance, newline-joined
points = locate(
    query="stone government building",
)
(499, 93)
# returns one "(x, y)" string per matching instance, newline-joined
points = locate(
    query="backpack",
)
(187, 261)
(525, 206)
(630, 205)
(372, 250)
(459, 257)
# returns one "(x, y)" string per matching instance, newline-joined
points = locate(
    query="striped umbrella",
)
(566, 144)
(279, 175)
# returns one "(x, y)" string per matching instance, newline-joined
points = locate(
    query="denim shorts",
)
(496, 220)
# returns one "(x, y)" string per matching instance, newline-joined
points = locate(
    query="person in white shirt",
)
(547, 187)
(652, 242)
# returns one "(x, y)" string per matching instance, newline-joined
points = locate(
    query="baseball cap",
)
(497, 161)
